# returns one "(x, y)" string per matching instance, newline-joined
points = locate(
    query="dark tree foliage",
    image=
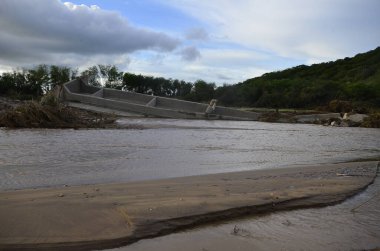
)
(60, 75)
(354, 79)
(157, 86)
(202, 91)
(32, 83)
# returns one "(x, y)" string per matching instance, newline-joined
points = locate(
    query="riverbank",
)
(48, 113)
(111, 215)
(353, 119)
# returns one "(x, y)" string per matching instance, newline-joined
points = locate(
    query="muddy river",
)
(173, 148)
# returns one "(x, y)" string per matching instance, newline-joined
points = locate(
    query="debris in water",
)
(287, 223)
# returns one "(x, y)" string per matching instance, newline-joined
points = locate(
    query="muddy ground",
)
(112, 215)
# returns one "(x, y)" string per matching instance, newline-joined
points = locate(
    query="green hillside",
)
(354, 79)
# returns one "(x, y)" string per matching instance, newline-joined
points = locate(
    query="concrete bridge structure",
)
(79, 91)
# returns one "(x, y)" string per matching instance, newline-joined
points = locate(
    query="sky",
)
(220, 41)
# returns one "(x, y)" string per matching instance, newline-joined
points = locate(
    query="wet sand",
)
(112, 215)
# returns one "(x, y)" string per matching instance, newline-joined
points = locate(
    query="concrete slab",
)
(103, 110)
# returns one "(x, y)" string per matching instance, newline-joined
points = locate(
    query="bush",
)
(373, 121)
(49, 99)
(340, 106)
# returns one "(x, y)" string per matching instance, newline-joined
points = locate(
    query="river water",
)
(172, 148)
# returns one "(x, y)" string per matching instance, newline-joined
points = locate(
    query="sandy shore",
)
(111, 215)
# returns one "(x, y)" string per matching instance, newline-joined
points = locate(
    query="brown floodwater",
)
(173, 148)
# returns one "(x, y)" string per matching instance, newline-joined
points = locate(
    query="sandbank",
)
(111, 215)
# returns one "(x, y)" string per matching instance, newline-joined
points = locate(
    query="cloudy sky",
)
(223, 41)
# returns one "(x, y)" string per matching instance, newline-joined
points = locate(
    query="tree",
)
(37, 80)
(7, 83)
(133, 82)
(111, 76)
(59, 75)
(92, 74)
(227, 95)
(202, 91)
(185, 88)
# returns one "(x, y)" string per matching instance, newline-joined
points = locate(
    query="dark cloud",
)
(223, 77)
(197, 34)
(190, 53)
(36, 29)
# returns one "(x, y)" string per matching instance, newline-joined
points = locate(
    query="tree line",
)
(355, 80)
(33, 83)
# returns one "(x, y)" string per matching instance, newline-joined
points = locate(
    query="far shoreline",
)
(49, 113)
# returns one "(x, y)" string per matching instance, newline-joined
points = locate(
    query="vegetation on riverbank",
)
(373, 121)
(48, 113)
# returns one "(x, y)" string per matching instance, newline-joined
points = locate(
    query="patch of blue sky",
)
(147, 13)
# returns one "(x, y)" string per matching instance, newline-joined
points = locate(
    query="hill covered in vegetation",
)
(356, 80)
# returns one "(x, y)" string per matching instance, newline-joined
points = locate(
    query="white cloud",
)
(215, 65)
(49, 31)
(233, 57)
(312, 30)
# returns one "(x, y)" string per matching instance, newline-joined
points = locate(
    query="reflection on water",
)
(171, 148)
(329, 228)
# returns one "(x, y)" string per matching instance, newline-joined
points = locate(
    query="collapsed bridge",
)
(78, 90)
